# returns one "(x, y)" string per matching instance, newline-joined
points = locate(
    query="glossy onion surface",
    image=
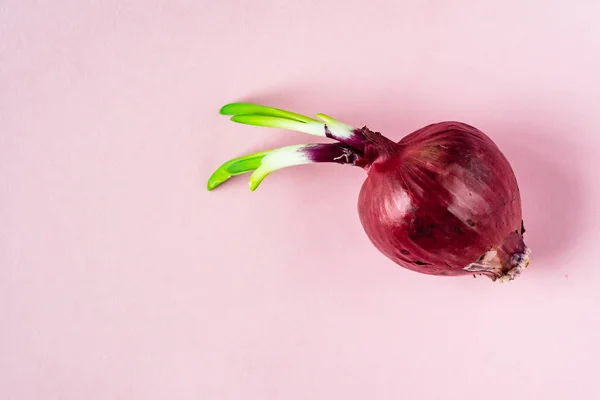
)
(442, 199)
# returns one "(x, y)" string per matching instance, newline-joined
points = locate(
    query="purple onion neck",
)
(373, 148)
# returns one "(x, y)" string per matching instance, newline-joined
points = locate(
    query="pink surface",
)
(121, 277)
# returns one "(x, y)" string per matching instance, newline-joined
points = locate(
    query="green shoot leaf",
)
(313, 128)
(256, 109)
(234, 167)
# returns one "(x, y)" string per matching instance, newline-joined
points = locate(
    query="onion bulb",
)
(442, 201)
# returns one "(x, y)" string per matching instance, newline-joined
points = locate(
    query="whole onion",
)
(444, 200)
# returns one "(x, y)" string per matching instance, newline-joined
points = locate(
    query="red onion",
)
(444, 200)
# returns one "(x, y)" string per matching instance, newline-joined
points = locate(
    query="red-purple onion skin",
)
(441, 198)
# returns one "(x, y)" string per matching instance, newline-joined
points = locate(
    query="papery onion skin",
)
(443, 201)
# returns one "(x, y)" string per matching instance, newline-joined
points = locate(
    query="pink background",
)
(121, 277)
